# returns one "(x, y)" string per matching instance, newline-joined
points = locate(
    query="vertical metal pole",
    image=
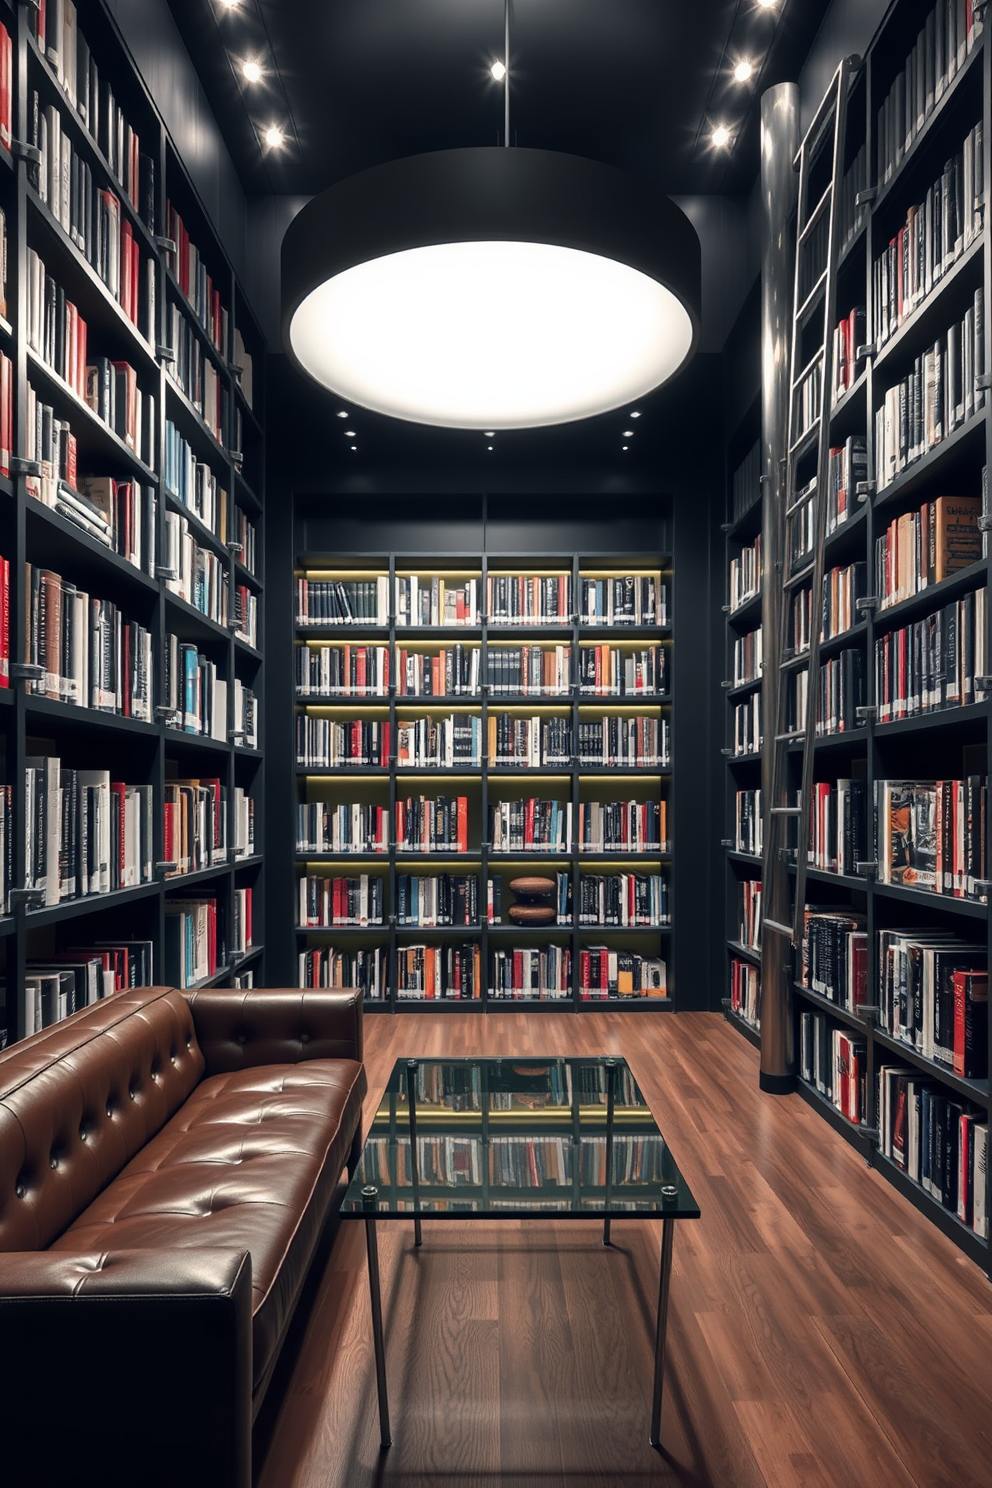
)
(664, 1287)
(611, 1086)
(506, 77)
(369, 1197)
(779, 143)
(411, 1101)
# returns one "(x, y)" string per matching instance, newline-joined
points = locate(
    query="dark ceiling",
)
(635, 83)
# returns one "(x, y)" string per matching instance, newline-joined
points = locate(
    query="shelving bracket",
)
(866, 603)
(27, 897)
(20, 466)
(865, 489)
(867, 869)
(866, 714)
(26, 671)
(21, 150)
(165, 354)
(865, 197)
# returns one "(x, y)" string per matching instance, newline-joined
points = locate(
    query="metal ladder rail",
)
(834, 104)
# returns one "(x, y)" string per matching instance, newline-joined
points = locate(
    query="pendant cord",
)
(506, 75)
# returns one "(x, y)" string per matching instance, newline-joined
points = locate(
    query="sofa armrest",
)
(239, 1028)
(126, 1367)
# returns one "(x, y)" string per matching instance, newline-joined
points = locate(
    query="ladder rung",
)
(811, 298)
(806, 435)
(816, 357)
(816, 214)
(786, 810)
(800, 502)
(790, 738)
(779, 929)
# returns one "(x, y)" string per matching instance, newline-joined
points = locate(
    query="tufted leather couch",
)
(167, 1162)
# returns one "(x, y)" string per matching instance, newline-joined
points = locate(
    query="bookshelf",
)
(133, 506)
(904, 700)
(518, 690)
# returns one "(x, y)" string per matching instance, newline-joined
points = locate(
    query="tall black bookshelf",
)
(569, 781)
(104, 243)
(934, 736)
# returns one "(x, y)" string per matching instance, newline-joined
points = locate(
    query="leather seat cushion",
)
(251, 1161)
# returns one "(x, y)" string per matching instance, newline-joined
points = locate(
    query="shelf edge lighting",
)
(491, 289)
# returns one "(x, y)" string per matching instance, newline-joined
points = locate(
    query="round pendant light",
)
(491, 288)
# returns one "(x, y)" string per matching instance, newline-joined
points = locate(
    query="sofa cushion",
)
(249, 1161)
(79, 1100)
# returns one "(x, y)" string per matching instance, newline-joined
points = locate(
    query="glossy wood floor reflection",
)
(821, 1333)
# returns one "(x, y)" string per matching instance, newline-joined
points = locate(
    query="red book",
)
(529, 822)
(6, 66)
(463, 823)
(4, 622)
(119, 788)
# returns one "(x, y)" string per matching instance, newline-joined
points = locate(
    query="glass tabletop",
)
(512, 1138)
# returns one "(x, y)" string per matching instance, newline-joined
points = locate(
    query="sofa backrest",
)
(79, 1099)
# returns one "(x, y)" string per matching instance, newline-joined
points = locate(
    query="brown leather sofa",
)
(167, 1163)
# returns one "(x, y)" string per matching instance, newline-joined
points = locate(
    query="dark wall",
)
(426, 486)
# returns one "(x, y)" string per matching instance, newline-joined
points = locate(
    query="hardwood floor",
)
(821, 1333)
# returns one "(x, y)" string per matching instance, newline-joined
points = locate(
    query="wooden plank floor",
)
(821, 1332)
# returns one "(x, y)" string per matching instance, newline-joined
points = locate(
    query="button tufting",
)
(20, 1190)
(83, 1134)
(304, 1038)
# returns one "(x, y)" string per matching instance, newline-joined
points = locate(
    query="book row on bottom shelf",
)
(936, 1137)
(424, 972)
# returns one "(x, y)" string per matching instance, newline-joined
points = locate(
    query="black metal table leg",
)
(664, 1286)
(611, 1083)
(411, 1101)
(369, 1197)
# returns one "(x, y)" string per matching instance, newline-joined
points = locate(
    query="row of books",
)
(241, 925)
(937, 231)
(843, 586)
(931, 835)
(745, 484)
(451, 971)
(432, 825)
(91, 216)
(944, 389)
(848, 339)
(841, 692)
(123, 515)
(89, 93)
(833, 957)
(747, 822)
(745, 991)
(835, 1062)
(748, 658)
(847, 468)
(201, 579)
(633, 599)
(939, 52)
(194, 372)
(838, 827)
(328, 966)
(445, 899)
(89, 655)
(245, 613)
(190, 947)
(195, 818)
(448, 1160)
(345, 601)
(608, 973)
(749, 896)
(195, 484)
(745, 575)
(340, 901)
(196, 696)
(243, 534)
(84, 833)
(933, 994)
(529, 670)
(747, 725)
(113, 394)
(934, 663)
(938, 1140)
(624, 899)
(73, 979)
(925, 546)
(322, 827)
(533, 973)
(190, 273)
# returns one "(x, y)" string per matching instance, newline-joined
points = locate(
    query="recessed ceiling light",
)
(251, 71)
(628, 433)
(342, 413)
(624, 446)
(489, 433)
(720, 136)
(498, 71)
(273, 137)
(635, 413)
(489, 446)
(230, 4)
(349, 433)
(767, 4)
(354, 446)
(743, 71)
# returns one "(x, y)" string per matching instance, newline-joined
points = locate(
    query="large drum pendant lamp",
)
(491, 288)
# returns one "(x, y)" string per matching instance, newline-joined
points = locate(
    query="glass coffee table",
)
(470, 1139)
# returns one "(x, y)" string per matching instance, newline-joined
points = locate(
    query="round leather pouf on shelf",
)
(532, 907)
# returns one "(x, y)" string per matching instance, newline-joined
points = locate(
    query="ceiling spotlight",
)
(743, 71)
(767, 4)
(489, 433)
(628, 433)
(342, 413)
(635, 413)
(489, 446)
(349, 434)
(498, 71)
(230, 4)
(384, 273)
(273, 137)
(354, 446)
(251, 71)
(624, 446)
(720, 136)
